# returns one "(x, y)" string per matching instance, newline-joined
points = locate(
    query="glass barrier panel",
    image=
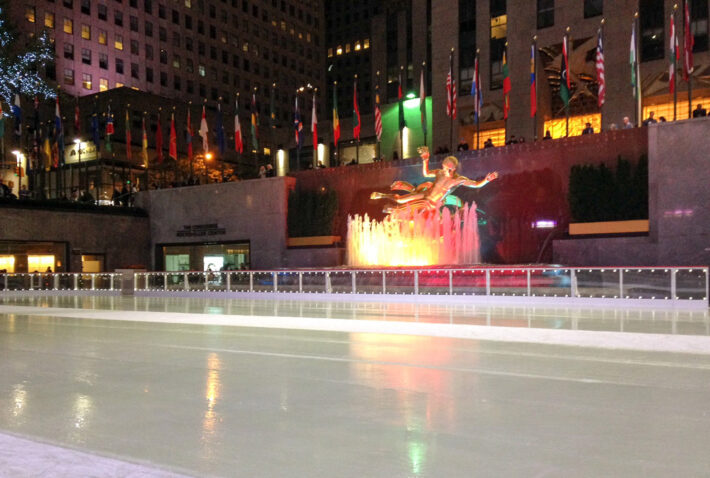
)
(399, 282)
(288, 281)
(18, 281)
(239, 281)
(509, 282)
(368, 282)
(216, 281)
(65, 281)
(468, 281)
(550, 282)
(690, 284)
(195, 281)
(84, 282)
(434, 282)
(598, 283)
(341, 282)
(175, 281)
(647, 284)
(102, 281)
(263, 282)
(313, 282)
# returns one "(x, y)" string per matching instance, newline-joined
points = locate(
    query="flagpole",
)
(451, 116)
(686, 26)
(477, 106)
(601, 106)
(568, 43)
(357, 140)
(638, 70)
(401, 130)
(378, 146)
(534, 52)
(298, 143)
(675, 67)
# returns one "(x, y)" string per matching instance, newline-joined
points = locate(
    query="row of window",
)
(356, 46)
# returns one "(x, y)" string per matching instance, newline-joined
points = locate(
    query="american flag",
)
(314, 123)
(451, 90)
(476, 92)
(688, 45)
(600, 70)
(378, 115)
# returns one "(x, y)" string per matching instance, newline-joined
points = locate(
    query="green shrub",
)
(311, 213)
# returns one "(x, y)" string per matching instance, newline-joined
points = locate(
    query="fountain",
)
(420, 230)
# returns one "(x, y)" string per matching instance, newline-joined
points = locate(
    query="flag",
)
(674, 56)
(221, 143)
(17, 113)
(172, 147)
(159, 141)
(378, 114)
(314, 123)
(77, 118)
(47, 150)
(451, 89)
(633, 57)
(37, 135)
(254, 123)
(204, 131)
(565, 86)
(2, 122)
(356, 113)
(688, 44)
(58, 134)
(95, 130)
(144, 144)
(533, 86)
(297, 126)
(109, 129)
(506, 85)
(601, 92)
(238, 143)
(422, 102)
(400, 104)
(476, 92)
(188, 135)
(272, 106)
(128, 136)
(336, 120)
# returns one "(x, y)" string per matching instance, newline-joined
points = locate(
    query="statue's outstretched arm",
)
(424, 153)
(471, 183)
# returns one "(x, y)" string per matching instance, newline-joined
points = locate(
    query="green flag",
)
(400, 102)
(564, 74)
(632, 58)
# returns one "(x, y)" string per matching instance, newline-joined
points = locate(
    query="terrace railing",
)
(68, 281)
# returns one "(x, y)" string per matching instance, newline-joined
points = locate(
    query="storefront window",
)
(204, 257)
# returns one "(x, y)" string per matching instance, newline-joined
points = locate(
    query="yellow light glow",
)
(320, 155)
(339, 50)
(267, 151)
(281, 164)
(208, 156)
(39, 263)
(357, 46)
(558, 126)
(7, 263)
(405, 141)
(666, 109)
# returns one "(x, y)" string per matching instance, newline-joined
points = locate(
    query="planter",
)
(312, 241)
(636, 226)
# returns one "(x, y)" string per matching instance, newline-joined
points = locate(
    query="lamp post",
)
(18, 156)
(207, 157)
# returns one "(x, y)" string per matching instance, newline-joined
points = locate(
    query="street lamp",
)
(18, 155)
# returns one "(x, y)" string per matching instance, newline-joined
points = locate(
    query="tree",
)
(20, 60)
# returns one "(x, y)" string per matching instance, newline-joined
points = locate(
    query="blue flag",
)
(17, 113)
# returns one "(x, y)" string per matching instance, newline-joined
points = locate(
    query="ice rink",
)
(142, 387)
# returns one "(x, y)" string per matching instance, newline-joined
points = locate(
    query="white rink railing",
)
(678, 284)
(61, 281)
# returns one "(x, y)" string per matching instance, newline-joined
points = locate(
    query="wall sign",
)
(200, 230)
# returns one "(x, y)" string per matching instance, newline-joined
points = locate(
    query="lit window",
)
(49, 20)
(357, 46)
(85, 32)
(366, 43)
(245, 46)
(86, 81)
(558, 126)
(68, 26)
(201, 70)
(8, 263)
(30, 14)
(308, 37)
(103, 84)
(118, 42)
(119, 84)
(339, 50)
(176, 61)
(188, 3)
(330, 52)
(103, 37)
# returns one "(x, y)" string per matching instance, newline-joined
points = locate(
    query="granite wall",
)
(123, 239)
(533, 185)
(253, 211)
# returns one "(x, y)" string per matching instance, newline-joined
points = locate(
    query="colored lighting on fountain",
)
(425, 239)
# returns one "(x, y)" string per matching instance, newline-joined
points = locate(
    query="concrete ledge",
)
(608, 227)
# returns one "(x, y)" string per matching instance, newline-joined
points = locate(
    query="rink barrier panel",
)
(675, 285)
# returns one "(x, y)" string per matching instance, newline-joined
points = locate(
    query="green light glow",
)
(411, 95)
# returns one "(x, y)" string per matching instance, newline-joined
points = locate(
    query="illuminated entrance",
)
(19, 257)
(204, 256)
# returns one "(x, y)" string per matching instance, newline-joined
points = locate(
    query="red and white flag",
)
(378, 116)
(674, 53)
(238, 142)
(314, 124)
(601, 82)
(204, 131)
(172, 146)
(451, 90)
(688, 44)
